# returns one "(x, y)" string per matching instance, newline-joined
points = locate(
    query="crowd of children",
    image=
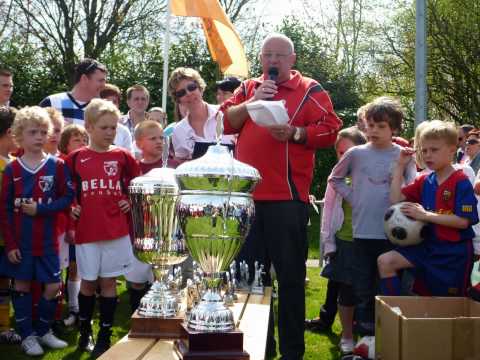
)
(65, 193)
(368, 178)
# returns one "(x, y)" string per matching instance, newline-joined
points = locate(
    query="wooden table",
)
(251, 314)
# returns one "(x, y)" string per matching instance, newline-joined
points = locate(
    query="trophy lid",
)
(158, 180)
(217, 170)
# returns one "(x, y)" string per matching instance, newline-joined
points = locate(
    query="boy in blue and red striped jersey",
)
(102, 173)
(445, 200)
(35, 188)
(7, 145)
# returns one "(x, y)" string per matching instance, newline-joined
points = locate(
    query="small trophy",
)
(229, 291)
(257, 285)
(244, 276)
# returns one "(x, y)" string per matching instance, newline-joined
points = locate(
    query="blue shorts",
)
(442, 267)
(45, 268)
(71, 253)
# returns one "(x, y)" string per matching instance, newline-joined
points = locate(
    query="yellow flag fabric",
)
(223, 41)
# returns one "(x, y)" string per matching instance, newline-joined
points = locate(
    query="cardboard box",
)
(426, 328)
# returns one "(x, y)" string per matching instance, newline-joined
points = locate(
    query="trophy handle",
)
(166, 150)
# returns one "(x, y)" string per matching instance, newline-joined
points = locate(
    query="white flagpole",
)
(166, 48)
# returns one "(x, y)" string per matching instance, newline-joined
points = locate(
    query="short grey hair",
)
(280, 37)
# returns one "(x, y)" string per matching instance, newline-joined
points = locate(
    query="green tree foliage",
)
(453, 30)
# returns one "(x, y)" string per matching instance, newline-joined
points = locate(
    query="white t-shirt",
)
(184, 137)
(123, 138)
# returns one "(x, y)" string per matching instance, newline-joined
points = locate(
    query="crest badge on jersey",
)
(110, 167)
(45, 183)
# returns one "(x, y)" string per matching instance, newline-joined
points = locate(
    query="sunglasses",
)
(91, 68)
(472, 142)
(190, 87)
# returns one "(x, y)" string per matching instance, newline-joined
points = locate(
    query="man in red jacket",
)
(285, 157)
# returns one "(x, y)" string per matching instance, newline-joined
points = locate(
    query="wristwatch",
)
(297, 135)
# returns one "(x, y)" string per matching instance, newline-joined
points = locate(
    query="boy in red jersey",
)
(101, 173)
(35, 188)
(445, 200)
(73, 137)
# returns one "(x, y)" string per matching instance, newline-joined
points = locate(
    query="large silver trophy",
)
(154, 198)
(215, 211)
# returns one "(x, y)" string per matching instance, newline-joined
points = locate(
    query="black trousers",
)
(279, 235)
(366, 282)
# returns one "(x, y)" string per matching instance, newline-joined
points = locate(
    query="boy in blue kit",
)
(445, 200)
(35, 188)
(370, 168)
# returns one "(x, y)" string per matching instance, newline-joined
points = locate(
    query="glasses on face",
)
(190, 87)
(472, 142)
(270, 56)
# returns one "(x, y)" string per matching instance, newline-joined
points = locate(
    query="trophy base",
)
(155, 327)
(257, 290)
(210, 345)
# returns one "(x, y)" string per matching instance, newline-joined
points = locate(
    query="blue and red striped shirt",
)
(51, 187)
(454, 196)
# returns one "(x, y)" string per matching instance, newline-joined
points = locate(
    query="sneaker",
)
(10, 337)
(31, 347)
(103, 342)
(86, 343)
(52, 341)
(71, 319)
(346, 346)
(365, 347)
(317, 325)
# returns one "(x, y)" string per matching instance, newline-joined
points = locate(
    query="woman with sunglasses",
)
(472, 149)
(186, 88)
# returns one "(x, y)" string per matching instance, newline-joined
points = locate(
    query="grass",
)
(318, 346)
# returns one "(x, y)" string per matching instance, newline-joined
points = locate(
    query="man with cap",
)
(226, 87)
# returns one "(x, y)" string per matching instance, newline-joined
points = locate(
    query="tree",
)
(453, 76)
(60, 25)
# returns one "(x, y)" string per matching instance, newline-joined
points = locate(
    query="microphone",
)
(273, 74)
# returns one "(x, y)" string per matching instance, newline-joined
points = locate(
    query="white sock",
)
(73, 288)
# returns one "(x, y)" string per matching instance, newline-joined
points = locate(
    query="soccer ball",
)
(402, 230)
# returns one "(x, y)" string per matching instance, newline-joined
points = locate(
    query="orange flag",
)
(223, 41)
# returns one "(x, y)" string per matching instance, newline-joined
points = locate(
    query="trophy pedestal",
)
(156, 327)
(210, 345)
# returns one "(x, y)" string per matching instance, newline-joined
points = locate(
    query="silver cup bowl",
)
(215, 211)
(154, 198)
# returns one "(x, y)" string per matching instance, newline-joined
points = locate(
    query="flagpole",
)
(166, 48)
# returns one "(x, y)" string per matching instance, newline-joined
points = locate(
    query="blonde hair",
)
(97, 108)
(67, 133)
(56, 116)
(141, 130)
(417, 144)
(183, 73)
(28, 116)
(433, 130)
(440, 130)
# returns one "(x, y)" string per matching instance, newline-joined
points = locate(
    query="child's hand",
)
(14, 256)
(406, 155)
(75, 213)
(124, 206)
(415, 211)
(30, 208)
